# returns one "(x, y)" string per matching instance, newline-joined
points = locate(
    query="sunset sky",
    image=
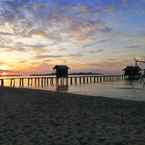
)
(87, 35)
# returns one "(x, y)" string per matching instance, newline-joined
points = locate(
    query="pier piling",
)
(45, 81)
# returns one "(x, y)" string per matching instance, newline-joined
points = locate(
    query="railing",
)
(42, 81)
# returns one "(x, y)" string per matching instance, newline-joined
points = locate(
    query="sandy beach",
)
(34, 117)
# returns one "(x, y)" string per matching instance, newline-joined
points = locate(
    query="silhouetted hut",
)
(61, 71)
(132, 72)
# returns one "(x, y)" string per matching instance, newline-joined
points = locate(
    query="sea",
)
(119, 89)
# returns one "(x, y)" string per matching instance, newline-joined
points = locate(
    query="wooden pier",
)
(45, 81)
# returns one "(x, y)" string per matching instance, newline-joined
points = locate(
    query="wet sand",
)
(34, 117)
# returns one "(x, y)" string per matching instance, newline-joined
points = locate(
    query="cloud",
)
(95, 51)
(125, 2)
(48, 56)
(43, 67)
(109, 62)
(135, 46)
(57, 56)
(39, 31)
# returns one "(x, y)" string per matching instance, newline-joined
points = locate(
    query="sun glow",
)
(4, 74)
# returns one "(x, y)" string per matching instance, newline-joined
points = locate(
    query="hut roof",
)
(132, 68)
(60, 67)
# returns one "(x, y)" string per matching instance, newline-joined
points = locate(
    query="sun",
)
(4, 74)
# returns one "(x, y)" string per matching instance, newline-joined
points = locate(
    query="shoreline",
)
(45, 117)
(54, 92)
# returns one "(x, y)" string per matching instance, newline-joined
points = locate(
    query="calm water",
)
(120, 89)
(113, 89)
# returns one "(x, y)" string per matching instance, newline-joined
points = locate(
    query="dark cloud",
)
(6, 34)
(48, 56)
(106, 29)
(135, 46)
(19, 49)
(93, 44)
(95, 51)
(103, 41)
(56, 56)
(39, 46)
(9, 48)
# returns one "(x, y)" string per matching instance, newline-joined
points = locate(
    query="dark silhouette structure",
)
(143, 70)
(61, 71)
(132, 72)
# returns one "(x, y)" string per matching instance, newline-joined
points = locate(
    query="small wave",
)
(127, 88)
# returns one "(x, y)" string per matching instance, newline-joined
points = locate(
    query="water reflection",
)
(118, 89)
(62, 84)
(134, 84)
(130, 84)
(109, 86)
(62, 87)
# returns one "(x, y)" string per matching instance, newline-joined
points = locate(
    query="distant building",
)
(133, 72)
(61, 71)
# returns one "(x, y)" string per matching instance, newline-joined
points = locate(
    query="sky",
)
(86, 35)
